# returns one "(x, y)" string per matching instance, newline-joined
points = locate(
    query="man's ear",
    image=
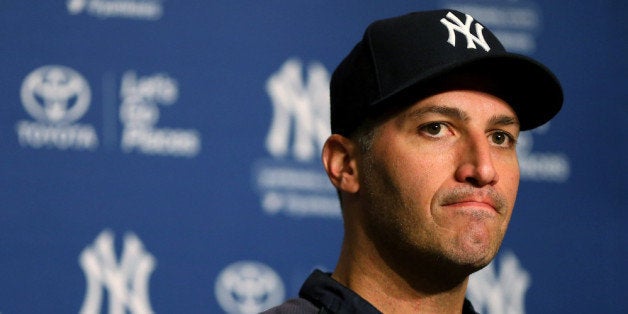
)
(339, 159)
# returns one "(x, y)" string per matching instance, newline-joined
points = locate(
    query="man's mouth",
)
(472, 198)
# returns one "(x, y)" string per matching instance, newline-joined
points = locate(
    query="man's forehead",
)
(463, 105)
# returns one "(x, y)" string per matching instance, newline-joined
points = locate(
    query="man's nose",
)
(476, 163)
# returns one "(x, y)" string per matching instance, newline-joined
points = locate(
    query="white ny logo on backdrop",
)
(495, 292)
(126, 282)
(464, 29)
(305, 105)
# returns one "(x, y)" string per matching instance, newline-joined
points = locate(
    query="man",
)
(425, 114)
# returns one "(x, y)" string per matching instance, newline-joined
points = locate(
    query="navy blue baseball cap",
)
(403, 59)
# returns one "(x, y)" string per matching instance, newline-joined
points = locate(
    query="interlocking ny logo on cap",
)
(464, 29)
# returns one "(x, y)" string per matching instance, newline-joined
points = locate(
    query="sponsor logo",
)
(248, 287)
(293, 181)
(541, 166)
(139, 113)
(515, 23)
(132, 9)
(496, 292)
(454, 24)
(56, 97)
(125, 281)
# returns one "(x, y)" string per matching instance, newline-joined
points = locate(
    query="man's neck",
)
(363, 270)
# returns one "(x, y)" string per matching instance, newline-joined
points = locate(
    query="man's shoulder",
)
(293, 306)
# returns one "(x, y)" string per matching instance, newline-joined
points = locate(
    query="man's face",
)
(441, 178)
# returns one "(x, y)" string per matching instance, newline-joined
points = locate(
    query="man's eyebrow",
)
(504, 120)
(458, 114)
(451, 112)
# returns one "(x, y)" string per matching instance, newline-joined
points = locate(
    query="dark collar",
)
(332, 297)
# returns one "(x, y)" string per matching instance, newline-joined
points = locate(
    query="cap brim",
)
(531, 89)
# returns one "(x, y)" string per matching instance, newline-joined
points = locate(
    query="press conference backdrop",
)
(163, 156)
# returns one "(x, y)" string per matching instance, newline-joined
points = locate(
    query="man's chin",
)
(473, 260)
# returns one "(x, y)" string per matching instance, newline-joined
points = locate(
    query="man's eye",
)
(434, 129)
(502, 139)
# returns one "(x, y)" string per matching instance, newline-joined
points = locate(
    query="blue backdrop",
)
(162, 156)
